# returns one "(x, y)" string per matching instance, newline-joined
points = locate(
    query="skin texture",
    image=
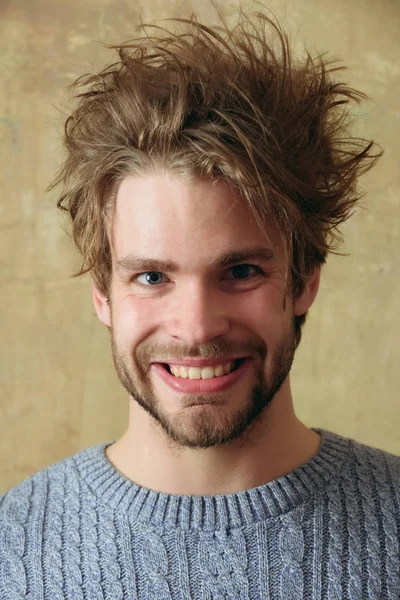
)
(201, 442)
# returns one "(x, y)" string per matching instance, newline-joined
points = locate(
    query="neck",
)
(278, 444)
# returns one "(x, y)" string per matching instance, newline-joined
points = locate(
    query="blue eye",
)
(244, 271)
(150, 278)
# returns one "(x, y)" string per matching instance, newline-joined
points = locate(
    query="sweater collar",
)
(238, 509)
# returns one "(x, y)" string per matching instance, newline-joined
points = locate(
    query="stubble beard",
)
(208, 426)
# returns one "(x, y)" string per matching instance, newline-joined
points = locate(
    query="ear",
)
(102, 305)
(305, 300)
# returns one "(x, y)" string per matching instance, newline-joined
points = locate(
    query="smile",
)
(206, 379)
(208, 372)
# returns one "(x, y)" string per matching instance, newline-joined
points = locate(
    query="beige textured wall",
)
(58, 390)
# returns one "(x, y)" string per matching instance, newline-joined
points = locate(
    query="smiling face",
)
(200, 338)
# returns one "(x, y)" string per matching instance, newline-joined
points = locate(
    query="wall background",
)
(58, 391)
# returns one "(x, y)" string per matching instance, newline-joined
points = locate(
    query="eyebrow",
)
(131, 263)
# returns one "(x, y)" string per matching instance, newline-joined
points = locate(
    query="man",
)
(205, 177)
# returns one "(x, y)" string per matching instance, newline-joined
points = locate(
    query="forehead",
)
(194, 219)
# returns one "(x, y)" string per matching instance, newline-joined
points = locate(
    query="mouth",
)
(206, 372)
(203, 378)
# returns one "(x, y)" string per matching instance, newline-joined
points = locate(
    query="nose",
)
(197, 314)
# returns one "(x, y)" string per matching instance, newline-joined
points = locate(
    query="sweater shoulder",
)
(380, 464)
(17, 502)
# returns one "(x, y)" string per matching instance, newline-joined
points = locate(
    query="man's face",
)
(197, 291)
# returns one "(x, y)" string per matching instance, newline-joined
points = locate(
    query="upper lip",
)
(200, 362)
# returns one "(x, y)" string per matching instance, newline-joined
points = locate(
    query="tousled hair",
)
(229, 103)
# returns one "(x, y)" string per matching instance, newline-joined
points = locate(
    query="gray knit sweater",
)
(80, 530)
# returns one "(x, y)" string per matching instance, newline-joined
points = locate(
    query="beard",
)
(204, 422)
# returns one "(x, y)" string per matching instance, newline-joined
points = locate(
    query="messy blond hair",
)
(230, 103)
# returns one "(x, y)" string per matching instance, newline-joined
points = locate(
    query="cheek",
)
(261, 311)
(134, 319)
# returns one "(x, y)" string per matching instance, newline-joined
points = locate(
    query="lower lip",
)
(201, 386)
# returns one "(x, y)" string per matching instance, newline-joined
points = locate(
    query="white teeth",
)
(227, 367)
(219, 370)
(194, 373)
(205, 373)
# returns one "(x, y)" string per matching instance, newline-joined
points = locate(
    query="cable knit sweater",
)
(330, 529)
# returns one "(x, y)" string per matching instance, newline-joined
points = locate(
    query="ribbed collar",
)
(211, 512)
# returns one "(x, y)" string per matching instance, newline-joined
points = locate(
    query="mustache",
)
(149, 352)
